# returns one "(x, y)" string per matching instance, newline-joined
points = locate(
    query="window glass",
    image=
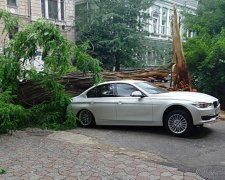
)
(11, 2)
(105, 90)
(53, 9)
(92, 93)
(125, 90)
(43, 8)
(62, 10)
(149, 88)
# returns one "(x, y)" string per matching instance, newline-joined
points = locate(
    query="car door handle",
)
(91, 102)
(120, 103)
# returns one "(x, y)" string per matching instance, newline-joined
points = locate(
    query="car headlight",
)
(202, 105)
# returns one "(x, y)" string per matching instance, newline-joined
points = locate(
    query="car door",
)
(102, 104)
(132, 110)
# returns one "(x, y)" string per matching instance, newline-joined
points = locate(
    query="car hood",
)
(189, 96)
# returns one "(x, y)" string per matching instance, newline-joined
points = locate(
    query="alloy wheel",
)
(177, 123)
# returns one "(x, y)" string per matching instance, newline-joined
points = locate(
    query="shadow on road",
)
(197, 133)
(200, 132)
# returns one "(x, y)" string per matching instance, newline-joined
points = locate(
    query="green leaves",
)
(11, 116)
(205, 53)
(9, 71)
(209, 18)
(55, 113)
(115, 31)
(10, 21)
(57, 55)
(86, 63)
(2, 171)
(45, 36)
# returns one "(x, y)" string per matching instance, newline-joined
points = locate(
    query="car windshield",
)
(150, 88)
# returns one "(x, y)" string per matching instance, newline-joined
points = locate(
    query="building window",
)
(155, 22)
(62, 9)
(11, 2)
(155, 26)
(43, 8)
(53, 9)
(163, 29)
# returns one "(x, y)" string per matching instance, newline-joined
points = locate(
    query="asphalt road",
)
(205, 147)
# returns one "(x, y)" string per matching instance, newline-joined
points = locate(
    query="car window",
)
(92, 93)
(105, 90)
(125, 90)
(150, 88)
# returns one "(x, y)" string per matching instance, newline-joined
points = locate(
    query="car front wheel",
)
(86, 118)
(179, 123)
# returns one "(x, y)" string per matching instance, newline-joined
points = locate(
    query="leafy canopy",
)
(10, 22)
(114, 29)
(205, 53)
(57, 53)
(209, 17)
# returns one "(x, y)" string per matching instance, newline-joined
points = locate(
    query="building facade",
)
(159, 40)
(60, 12)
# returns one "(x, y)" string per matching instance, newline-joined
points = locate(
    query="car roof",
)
(130, 81)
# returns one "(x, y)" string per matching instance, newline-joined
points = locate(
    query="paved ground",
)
(205, 146)
(34, 154)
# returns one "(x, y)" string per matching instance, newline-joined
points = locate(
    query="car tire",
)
(179, 123)
(86, 118)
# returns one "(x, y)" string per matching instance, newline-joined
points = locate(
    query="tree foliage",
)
(57, 54)
(205, 53)
(10, 22)
(56, 48)
(86, 62)
(115, 30)
(209, 17)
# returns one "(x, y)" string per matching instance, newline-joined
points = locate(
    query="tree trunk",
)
(180, 74)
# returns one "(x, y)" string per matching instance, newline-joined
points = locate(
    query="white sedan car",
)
(140, 103)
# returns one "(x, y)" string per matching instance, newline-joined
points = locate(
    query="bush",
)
(11, 116)
(206, 61)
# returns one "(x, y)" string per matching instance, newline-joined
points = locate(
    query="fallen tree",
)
(30, 93)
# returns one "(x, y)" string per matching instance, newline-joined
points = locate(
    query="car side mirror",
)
(137, 94)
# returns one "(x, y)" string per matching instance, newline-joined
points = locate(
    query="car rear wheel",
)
(179, 123)
(86, 118)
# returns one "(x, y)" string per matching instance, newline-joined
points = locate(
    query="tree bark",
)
(180, 74)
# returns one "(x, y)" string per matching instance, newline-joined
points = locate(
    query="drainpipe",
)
(29, 11)
(74, 20)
